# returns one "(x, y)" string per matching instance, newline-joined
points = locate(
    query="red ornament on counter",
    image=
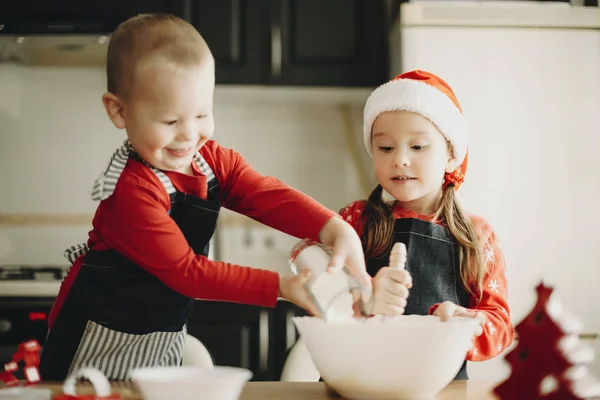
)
(29, 353)
(549, 361)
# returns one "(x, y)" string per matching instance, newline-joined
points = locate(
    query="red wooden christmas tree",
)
(549, 362)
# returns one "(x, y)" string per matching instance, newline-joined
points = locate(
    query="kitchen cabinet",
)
(284, 333)
(237, 37)
(333, 42)
(235, 335)
(295, 42)
(252, 337)
(257, 42)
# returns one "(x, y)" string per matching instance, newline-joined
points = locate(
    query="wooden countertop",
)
(463, 390)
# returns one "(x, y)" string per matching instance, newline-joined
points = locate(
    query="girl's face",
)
(410, 157)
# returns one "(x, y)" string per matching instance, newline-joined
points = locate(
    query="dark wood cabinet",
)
(295, 42)
(238, 335)
(258, 42)
(328, 42)
(284, 334)
(237, 37)
(235, 335)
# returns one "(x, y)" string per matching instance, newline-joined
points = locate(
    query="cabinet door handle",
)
(276, 51)
(263, 339)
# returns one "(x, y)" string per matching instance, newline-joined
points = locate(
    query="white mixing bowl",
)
(190, 383)
(406, 357)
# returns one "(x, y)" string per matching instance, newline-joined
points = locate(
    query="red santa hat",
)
(428, 95)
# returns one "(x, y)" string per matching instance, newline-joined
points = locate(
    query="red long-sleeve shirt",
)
(134, 220)
(498, 332)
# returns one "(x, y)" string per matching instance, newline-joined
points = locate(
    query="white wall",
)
(55, 139)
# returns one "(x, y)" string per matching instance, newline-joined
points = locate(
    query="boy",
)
(127, 297)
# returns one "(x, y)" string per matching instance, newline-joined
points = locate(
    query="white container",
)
(406, 357)
(332, 292)
(189, 383)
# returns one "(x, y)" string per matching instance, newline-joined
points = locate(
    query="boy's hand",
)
(390, 291)
(347, 250)
(291, 287)
(448, 309)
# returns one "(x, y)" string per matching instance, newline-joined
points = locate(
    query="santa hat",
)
(426, 94)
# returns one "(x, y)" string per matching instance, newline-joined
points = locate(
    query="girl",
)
(416, 134)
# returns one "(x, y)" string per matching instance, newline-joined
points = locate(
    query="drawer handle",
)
(263, 337)
(276, 53)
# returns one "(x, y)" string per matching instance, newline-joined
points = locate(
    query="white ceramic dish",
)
(407, 357)
(189, 383)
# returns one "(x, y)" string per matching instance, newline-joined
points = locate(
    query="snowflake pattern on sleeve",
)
(498, 331)
(352, 214)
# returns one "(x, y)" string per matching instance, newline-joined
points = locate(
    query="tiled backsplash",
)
(55, 139)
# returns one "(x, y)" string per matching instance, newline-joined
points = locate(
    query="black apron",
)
(117, 316)
(433, 263)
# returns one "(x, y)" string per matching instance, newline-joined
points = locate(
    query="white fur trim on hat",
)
(423, 99)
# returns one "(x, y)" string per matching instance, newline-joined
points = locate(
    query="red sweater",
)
(134, 220)
(498, 332)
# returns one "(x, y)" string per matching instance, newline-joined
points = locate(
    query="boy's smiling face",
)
(168, 114)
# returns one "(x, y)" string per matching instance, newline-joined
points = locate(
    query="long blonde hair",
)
(379, 230)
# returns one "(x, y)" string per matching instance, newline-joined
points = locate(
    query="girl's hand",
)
(390, 291)
(448, 309)
(347, 251)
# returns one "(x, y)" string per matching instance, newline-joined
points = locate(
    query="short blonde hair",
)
(160, 38)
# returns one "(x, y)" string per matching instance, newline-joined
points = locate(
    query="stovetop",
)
(31, 280)
(31, 272)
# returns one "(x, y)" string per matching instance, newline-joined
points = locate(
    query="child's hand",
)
(390, 291)
(291, 287)
(448, 309)
(347, 250)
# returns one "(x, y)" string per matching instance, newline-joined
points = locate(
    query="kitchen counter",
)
(463, 390)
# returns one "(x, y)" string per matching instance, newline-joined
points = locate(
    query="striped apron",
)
(117, 316)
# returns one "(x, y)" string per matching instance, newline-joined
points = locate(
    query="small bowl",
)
(405, 357)
(189, 383)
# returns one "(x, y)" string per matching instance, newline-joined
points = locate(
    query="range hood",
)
(64, 37)
(68, 32)
(54, 50)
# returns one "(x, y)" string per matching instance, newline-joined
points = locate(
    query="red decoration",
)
(538, 360)
(8, 378)
(11, 366)
(29, 353)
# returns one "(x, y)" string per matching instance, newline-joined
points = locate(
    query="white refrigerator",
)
(528, 77)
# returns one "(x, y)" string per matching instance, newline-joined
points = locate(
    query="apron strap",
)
(164, 179)
(211, 178)
(76, 251)
(105, 185)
